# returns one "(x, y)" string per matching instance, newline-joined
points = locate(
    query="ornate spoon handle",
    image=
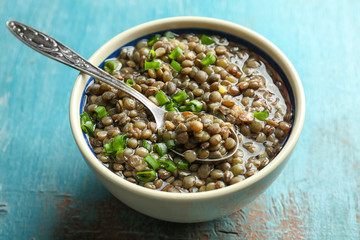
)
(52, 48)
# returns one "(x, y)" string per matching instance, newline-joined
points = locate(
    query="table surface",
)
(47, 190)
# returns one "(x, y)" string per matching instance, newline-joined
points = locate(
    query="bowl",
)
(201, 206)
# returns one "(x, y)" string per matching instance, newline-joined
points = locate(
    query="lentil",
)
(230, 89)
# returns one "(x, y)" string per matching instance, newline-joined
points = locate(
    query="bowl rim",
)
(210, 24)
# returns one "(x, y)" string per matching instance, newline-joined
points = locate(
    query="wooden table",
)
(48, 192)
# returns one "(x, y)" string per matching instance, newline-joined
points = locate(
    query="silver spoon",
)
(52, 48)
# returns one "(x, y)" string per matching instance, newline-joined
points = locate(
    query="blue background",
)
(48, 192)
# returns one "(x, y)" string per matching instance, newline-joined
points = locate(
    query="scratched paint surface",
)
(47, 191)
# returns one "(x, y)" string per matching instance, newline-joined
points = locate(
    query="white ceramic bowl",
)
(202, 206)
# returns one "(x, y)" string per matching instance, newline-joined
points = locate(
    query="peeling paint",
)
(265, 218)
(3, 209)
(271, 218)
(4, 99)
(4, 143)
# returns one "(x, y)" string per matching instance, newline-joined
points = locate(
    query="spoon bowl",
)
(229, 154)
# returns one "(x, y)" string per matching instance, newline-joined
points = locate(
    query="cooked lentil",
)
(234, 87)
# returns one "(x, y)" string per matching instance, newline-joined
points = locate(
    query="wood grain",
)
(47, 191)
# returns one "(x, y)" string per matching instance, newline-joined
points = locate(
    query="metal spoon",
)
(52, 48)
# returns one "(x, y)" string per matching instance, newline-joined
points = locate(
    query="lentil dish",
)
(208, 85)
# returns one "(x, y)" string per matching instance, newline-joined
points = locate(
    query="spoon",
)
(52, 48)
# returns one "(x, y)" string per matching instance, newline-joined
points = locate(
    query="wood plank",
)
(47, 191)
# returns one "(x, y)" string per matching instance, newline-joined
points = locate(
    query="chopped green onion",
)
(198, 105)
(87, 124)
(119, 143)
(262, 116)
(85, 117)
(130, 82)
(180, 96)
(153, 40)
(161, 148)
(146, 176)
(184, 108)
(152, 65)
(208, 60)
(152, 54)
(192, 106)
(146, 144)
(110, 66)
(101, 111)
(167, 164)
(176, 66)
(109, 148)
(88, 128)
(177, 52)
(151, 161)
(171, 106)
(170, 144)
(169, 35)
(116, 146)
(183, 165)
(161, 98)
(206, 40)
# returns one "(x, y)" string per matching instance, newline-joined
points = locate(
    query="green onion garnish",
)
(169, 35)
(130, 82)
(119, 143)
(170, 144)
(152, 65)
(176, 66)
(184, 108)
(109, 148)
(88, 128)
(208, 60)
(146, 144)
(146, 176)
(161, 98)
(110, 66)
(192, 106)
(262, 116)
(87, 124)
(170, 106)
(153, 40)
(206, 40)
(116, 146)
(175, 53)
(85, 117)
(152, 54)
(180, 96)
(161, 148)
(152, 162)
(167, 164)
(183, 165)
(101, 111)
(198, 105)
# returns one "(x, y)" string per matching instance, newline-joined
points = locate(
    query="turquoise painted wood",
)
(48, 192)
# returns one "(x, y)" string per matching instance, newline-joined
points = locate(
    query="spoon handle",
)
(52, 48)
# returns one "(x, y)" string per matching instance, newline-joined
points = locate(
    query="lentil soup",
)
(208, 84)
